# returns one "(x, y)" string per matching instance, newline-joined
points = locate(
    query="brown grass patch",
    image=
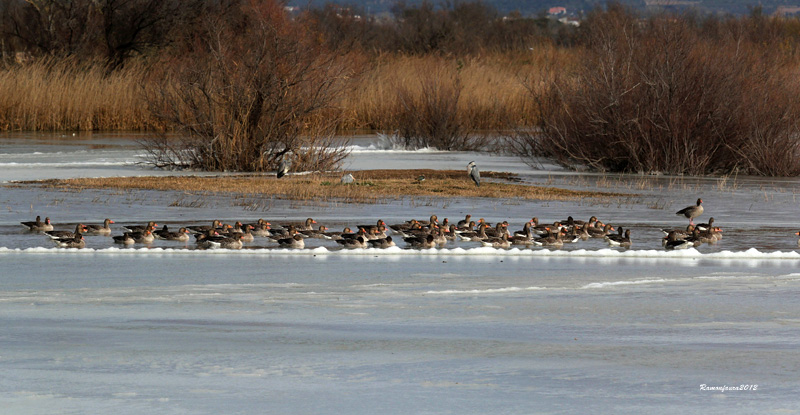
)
(371, 186)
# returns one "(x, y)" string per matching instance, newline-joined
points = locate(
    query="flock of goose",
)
(414, 233)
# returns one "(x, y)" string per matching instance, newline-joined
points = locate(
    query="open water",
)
(462, 329)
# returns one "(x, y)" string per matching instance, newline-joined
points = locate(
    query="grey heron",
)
(474, 173)
(283, 168)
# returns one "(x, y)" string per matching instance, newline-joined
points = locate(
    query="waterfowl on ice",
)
(691, 212)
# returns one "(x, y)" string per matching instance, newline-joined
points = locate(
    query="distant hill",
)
(530, 8)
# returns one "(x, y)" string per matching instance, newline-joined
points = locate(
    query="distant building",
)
(572, 21)
(787, 10)
(556, 11)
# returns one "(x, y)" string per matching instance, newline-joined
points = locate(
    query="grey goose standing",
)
(691, 212)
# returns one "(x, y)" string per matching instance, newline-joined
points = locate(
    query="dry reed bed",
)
(494, 88)
(48, 95)
(370, 186)
(65, 95)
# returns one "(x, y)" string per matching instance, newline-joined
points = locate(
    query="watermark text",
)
(726, 388)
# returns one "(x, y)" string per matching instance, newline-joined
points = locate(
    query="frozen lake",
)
(457, 330)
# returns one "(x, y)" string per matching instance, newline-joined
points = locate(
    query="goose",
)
(159, 232)
(261, 229)
(338, 235)
(679, 233)
(702, 227)
(305, 226)
(691, 212)
(402, 227)
(203, 240)
(145, 237)
(465, 222)
(497, 242)
(361, 233)
(125, 239)
(369, 228)
(716, 232)
(296, 242)
(181, 236)
(704, 237)
(382, 243)
(225, 242)
(433, 221)
(579, 223)
(697, 239)
(140, 228)
(104, 229)
(526, 230)
(79, 229)
(470, 227)
(420, 232)
(75, 241)
(38, 225)
(259, 223)
(474, 236)
(541, 230)
(620, 241)
(358, 242)
(376, 233)
(673, 241)
(451, 233)
(244, 232)
(573, 235)
(277, 234)
(523, 238)
(316, 233)
(225, 230)
(583, 232)
(439, 238)
(600, 232)
(215, 224)
(617, 236)
(551, 240)
(424, 242)
(500, 229)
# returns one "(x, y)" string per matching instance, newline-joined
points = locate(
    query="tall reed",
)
(49, 94)
(67, 95)
(493, 96)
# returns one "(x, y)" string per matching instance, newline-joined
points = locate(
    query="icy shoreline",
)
(691, 253)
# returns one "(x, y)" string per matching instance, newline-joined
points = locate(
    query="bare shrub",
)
(248, 95)
(655, 96)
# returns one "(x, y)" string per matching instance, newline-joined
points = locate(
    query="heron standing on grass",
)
(474, 173)
(283, 168)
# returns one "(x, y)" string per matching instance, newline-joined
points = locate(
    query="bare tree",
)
(655, 96)
(108, 30)
(254, 90)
